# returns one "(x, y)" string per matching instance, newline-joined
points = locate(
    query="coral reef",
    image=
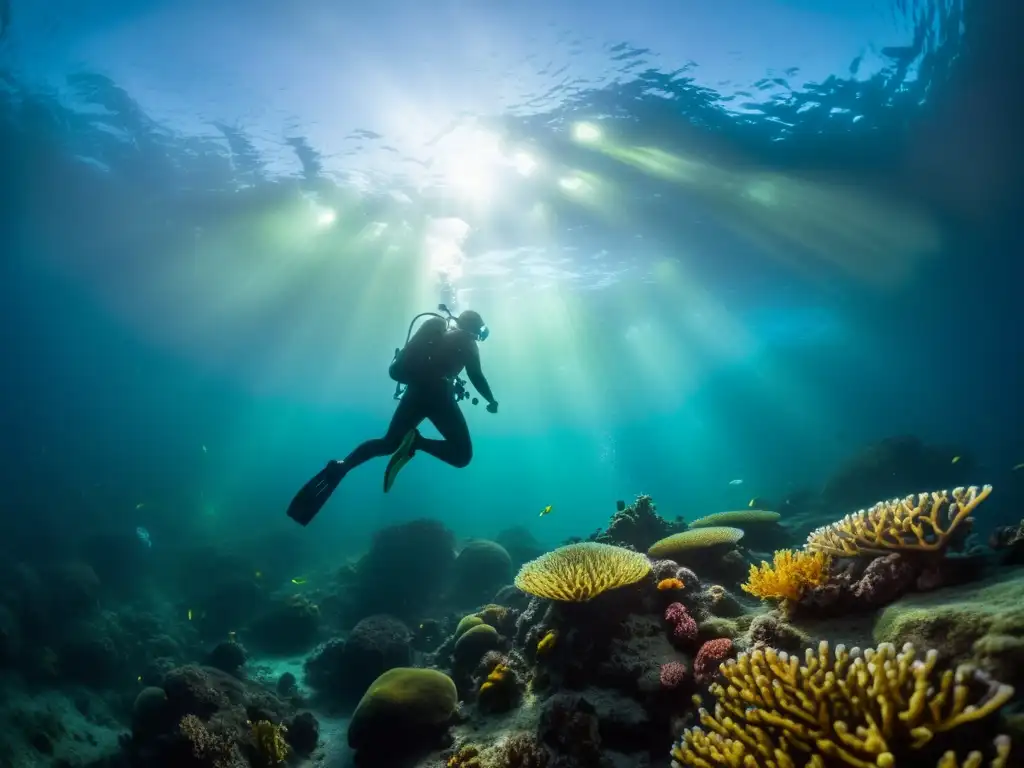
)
(789, 576)
(416, 704)
(341, 670)
(842, 708)
(481, 568)
(581, 572)
(925, 524)
(638, 526)
(980, 623)
(425, 550)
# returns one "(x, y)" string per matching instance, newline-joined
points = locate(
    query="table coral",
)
(877, 708)
(923, 523)
(580, 572)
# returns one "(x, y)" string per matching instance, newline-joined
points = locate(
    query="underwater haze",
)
(748, 256)
(720, 242)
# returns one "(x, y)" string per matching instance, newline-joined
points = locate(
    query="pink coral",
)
(672, 675)
(710, 655)
(684, 627)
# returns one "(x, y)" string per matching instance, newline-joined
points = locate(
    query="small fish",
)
(751, 503)
(143, 535)
(545, 511)
(140, 505)
(258, 574)
(299, 580)
(140, 678)
(1019, 466)
(736, 482)
(955, 460)
(190, 614)
(231, 636)
(204, 449)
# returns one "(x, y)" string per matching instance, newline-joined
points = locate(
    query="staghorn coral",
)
(923, 524)
(699, 538)
(580, 572)
(848, 709)
(789, 576)
(271, 746)
(736, 518)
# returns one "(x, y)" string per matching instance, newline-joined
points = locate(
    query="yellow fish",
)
(190, 614)
(299, 580)
(955, 459)
(545, 511)
(751, 504)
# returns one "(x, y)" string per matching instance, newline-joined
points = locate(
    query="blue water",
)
(736, 240)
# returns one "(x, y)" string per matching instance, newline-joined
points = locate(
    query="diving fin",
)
(314, 494)
(400, 458)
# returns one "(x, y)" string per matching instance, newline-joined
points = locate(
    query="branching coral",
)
(788, 577)
(856, 710)
(924, 523)
(579, 572)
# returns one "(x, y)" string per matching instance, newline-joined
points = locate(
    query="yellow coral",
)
(697, 538)
(736, 517)
(497, 676)
(547, 643)
(788, 576)
(271, 747)
(924, 524)
(668, 585)
(847, 708)
(576, 573)
(467, 757)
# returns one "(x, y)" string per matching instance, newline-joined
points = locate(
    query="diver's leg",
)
(314, 495)
(408, 415)
(456, 448)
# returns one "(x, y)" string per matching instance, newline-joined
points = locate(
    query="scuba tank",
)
(458, 383)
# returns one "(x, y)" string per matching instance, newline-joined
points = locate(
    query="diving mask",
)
(483, 333)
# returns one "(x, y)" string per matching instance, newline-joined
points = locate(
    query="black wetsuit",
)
(428, 365)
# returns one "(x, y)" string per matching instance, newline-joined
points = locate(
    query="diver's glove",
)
(492, 407)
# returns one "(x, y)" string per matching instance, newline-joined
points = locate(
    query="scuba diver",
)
(428, 387)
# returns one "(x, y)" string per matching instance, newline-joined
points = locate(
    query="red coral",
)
(684, 627)
(710, 655)
(672, 675)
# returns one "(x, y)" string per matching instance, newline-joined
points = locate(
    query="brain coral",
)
(402, 700)
(579, 572)
(737, 517)
(698, 538)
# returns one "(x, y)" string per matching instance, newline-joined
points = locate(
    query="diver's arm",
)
(476, 375)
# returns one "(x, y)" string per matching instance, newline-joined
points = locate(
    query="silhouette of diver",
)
(429, 366)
